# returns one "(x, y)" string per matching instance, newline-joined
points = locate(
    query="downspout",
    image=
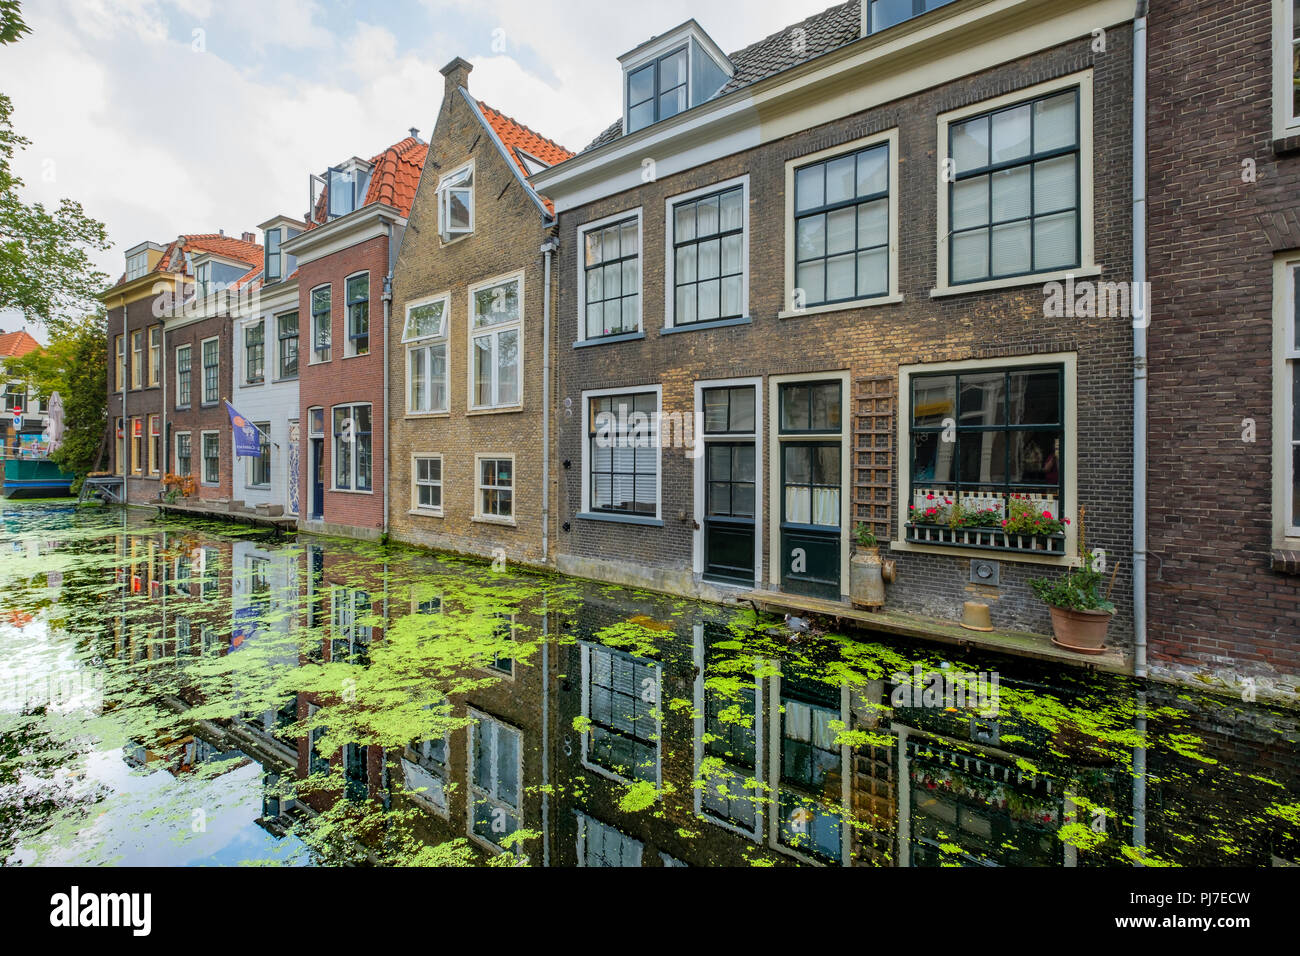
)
(388, 312)
(1141, 320)
(548, 248)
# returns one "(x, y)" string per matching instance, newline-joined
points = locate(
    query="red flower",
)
(1047, 514)
(929, 497)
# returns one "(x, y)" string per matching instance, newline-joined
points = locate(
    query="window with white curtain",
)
(623, 454)
(496, 318)
(811, 469)
(1014, 194)
(425, 335)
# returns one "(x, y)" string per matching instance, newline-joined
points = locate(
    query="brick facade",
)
(868, 342)
(344, 380)
(200, 416)
(1224, 596)
(141, 402)
(510, 227)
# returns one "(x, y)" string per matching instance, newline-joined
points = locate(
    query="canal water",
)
(192, 694)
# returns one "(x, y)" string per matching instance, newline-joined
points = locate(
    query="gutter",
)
(388, 313)
(1141, 320)
(548, 248)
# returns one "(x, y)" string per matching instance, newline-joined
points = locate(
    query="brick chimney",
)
(457, 74)
(249, 237)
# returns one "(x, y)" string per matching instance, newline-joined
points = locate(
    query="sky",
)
(165, 117)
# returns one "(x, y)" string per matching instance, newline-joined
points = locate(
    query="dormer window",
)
(887, 13)
(657, 90)
(137, 265)
(271, 271)
(456, 203)
(532, 165)
(346, 187)
(671, 73)
(203, 278)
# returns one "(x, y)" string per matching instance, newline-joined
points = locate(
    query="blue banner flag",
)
(247, 440)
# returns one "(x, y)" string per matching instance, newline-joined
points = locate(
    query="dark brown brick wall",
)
(200, 417)
(876, 341)
(141, 402)
(1217, 601)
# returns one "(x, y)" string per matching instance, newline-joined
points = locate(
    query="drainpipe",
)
(548, 248)
(1141, 319)
(388, 312)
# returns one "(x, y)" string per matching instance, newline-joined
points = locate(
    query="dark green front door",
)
(730, 480)
(810, 518)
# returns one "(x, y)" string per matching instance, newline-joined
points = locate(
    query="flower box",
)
(992, 539)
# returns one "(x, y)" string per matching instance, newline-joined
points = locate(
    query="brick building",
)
(821, 371)
(160, 284)
(468, 386)
(345, 260)
(200, 360)
(1224, 350)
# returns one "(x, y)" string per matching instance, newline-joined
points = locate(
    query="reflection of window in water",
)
(351, 639)
(317, 762)
(355, 777)
(622, 699)
(502, 661)
(495, 779)
(425, 768)
(811, 777)
(730, 737)
(602, 845)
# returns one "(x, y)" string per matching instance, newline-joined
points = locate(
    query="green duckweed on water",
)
(187, 693)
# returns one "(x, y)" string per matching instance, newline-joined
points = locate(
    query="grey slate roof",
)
(822, 32)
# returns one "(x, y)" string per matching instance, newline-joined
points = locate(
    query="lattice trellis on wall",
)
(874, 400)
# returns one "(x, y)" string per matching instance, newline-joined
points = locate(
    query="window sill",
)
(360, 355)
(287, 378)
(609, 339)
(181, 408)
(251, 382)
(208, 404)
(1009, 555)
(494, 519)
(351, 491)
(409, 416)
(620, 518)
(1286, 559)
(503, 410)
(1015, 282)
(266, 487)
(841, 306)
(700, 326)
(424, 513)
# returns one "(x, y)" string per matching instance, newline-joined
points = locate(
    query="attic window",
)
(137, 265)
(532, 165)
(888, 13)
(456, 203)
(347, 189)
(657, 90)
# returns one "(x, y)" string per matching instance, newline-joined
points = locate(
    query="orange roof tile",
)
(394, 176)
(516, 136)
(214, 242)
(16, 344)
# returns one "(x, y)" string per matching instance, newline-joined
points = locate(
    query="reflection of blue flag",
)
(247, 440)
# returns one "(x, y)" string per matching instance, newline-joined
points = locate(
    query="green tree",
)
(73, 365)
(45, 267)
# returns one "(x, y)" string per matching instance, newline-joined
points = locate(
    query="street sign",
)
(18, 419)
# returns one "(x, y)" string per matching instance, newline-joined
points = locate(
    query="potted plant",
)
(1023, 526)
(1080, 613)
(867, 572)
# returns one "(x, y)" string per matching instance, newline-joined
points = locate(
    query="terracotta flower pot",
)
(1080, 631)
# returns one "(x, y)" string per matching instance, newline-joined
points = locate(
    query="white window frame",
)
(1087, 254)
(204, 402)
(1070, 428)
(701, 490)
(670, 258)
(1286, 122)
(313, 358)
(656, 440)
(595, 226)
(137, 265)
(349, 347)
(242, 352)
(490, 792)
(333, 446)
(1286, 363)
(176, 449)
(263, 439)
(424, 344)
(189, 349)
(416, 507)
(892, 295)
(203, 437)
(444, 190)
(495, 332)
(479, 488)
